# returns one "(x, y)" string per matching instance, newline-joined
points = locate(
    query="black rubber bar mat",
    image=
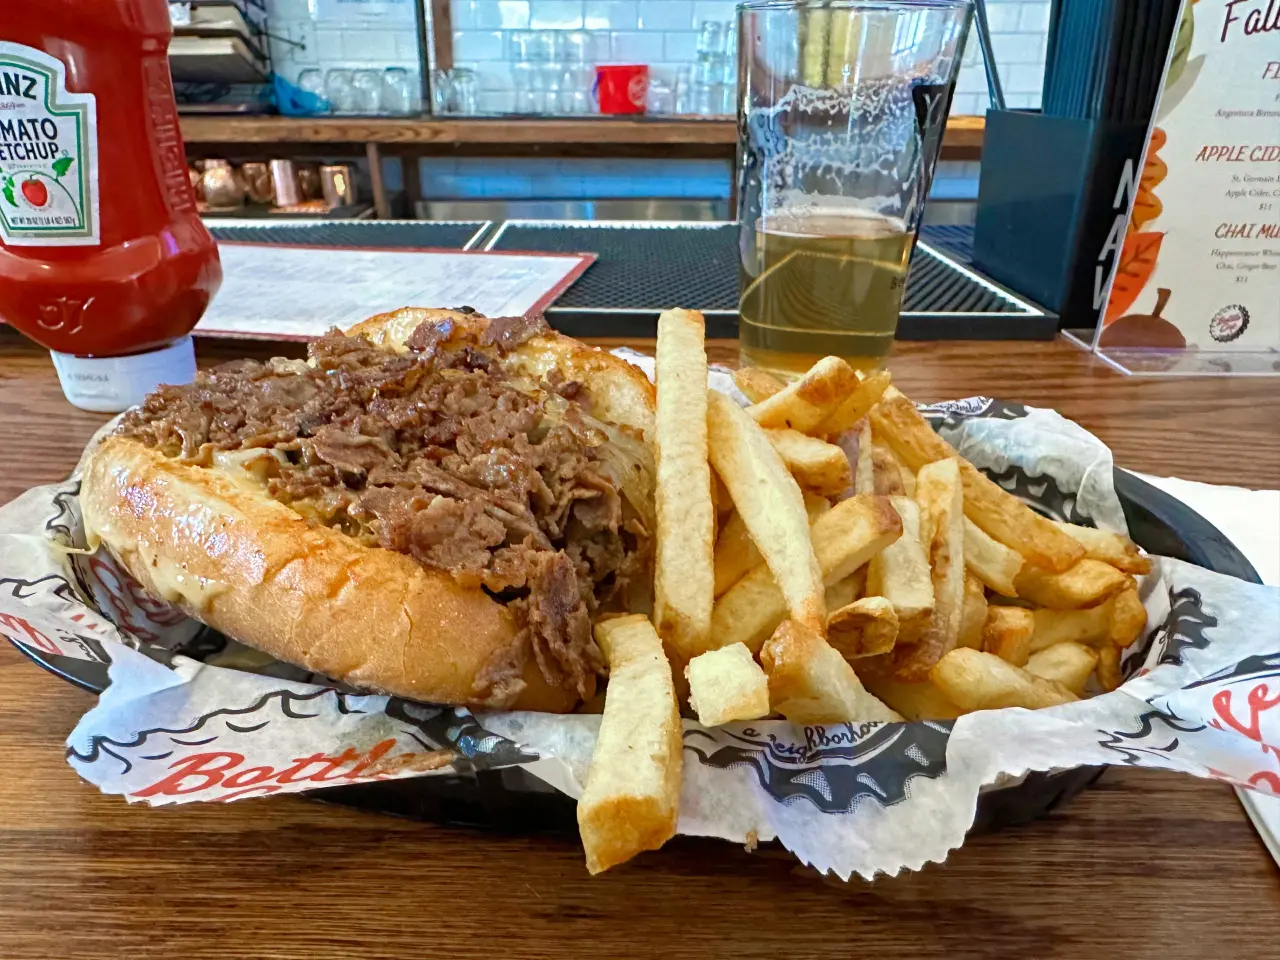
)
(641, 268)
(444, 235)
(955, 240)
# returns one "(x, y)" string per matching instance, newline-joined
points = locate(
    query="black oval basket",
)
(512, 800)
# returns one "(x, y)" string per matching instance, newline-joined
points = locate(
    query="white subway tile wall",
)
(664, 34)
(353, 41)
(611, 14)
(661, 33)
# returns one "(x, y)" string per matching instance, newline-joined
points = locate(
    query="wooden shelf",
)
(963, 137)
(407, 137)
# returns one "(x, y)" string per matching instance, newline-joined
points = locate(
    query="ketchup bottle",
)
(103, 258)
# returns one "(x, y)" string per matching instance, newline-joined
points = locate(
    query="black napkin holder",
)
(1049, 197)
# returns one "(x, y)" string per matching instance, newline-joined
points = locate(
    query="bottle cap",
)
(112, 384)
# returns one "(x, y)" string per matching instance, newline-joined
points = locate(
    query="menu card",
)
(279, 292)
(1199, 262)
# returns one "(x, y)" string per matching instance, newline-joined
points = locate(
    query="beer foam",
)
(816, 144)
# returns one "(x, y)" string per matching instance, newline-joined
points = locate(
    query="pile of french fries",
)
(825, 557)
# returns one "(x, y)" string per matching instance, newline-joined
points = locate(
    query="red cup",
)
(622, 87)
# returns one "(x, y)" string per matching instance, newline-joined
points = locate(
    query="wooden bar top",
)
(1143, 865)
(962, 131)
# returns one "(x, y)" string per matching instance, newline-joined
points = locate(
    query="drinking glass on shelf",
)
(520, 46)
(549, 51)
(464, 95)
(661, 98)
(368, 90)
(340, 90)
(397, 96)
(577, 73)
(684, 90)
(552, 84)
(728, 85)
(575, 47)
(312, 82)
(708, 84)
(441, 89)
(531, 60)
(712, 37)
(543, 45)
(527, 77)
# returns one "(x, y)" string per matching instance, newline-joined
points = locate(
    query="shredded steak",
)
(440, 455)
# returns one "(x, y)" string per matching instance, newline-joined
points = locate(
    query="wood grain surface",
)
(963, 132)
(1143, 865)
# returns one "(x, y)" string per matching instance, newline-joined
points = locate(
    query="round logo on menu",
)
(1228, 323)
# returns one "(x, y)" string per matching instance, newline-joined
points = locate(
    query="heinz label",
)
(48, 153)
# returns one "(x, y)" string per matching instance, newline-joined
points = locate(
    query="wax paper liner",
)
(192, 716)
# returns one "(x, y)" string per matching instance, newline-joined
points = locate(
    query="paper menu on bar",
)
(278, 292)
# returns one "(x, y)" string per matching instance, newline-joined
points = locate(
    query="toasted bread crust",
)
(219, 546)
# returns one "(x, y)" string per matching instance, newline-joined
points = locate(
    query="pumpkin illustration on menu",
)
(1145, 329)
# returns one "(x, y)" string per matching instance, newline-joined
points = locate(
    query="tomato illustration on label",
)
(37, 193)
(34, 185)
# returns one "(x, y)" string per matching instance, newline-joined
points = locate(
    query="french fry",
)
(1108, 669)
(1007, 634)
(864, 475)
(864, 628)
(1088, 583)
(1128, 617)
(990, 560)
(810, 682)
(683, 577)
(736, 553)
(727, 684)
(720, 498)
(631, 798)
(887, 473)
(982, 681)
(858, 403)
(906, 473)
(915, 701)
(817, 465)
(938, 492)
(999, 513)
(1070, 664)
(844, 592)
(857, 582)
(1091, 626)
(844, 538)
(1113, 548)
(805, 403)
(757, 384)
(900, 573)
(770, 503)
(1117, 621)
(973, 615)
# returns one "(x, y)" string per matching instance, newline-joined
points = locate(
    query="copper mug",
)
(309, 181)
(222, 188)
(284, 183)
(337, 185)
(257, 182)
